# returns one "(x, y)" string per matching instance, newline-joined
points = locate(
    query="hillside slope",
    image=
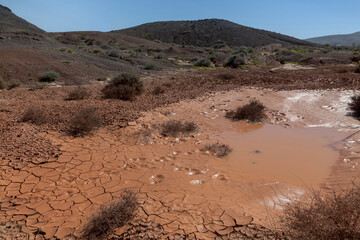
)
(209, 32)
(9, 22)
(338, 40)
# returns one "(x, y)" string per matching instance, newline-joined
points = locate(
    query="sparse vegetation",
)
(13, 84)
(158, 90)
(111, 216)
(49, 76)
(235, 61)
(357, 68)
(37, 86)
(218, 149)
(84, 122)
(173, 128)
(203, 62)
(331, 216)
(2, 84)
(34, 115)
(160, 56)
(114, 54)
(253, 112)
(354, 106)
(150, 66)
(125, 87)
(77, 94)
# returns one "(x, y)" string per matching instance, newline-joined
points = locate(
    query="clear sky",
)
(298, 18)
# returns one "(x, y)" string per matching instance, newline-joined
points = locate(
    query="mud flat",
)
(184, 190)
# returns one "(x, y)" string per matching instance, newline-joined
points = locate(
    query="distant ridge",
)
(9, 22)
(209, 32)
(338, 40)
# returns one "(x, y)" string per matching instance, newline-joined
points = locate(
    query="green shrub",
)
(125, 87)
(203, 62)
(49, 76)
(254, 112)
(150, 66)
(235, 61)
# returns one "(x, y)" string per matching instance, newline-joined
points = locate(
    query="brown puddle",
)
(270, 153)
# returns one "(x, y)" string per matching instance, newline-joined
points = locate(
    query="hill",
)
(338, 40)
(209, 32)
(9, 22)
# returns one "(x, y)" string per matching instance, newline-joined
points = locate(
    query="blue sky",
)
(298, 18)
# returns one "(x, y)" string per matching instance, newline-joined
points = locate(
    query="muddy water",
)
(270, 153)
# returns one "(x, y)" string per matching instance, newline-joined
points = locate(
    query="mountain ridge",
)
(338, 39)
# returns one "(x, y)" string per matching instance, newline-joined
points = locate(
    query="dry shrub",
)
(226, 76)
(84, 122)
(253, 112)
(111, 216)
(332, 216)
(357, 68)
(354, 106)
(34, 115)
(2, 84)
(218, 149)
(77, 94)
(158, 90)
(173, 128)
(125, 87)
(203, 62)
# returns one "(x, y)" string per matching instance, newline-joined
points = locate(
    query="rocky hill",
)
(209, 32)
(338, 40)
(9, 22)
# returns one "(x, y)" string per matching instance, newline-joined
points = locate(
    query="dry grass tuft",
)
(253, 112)
(332, 216)
(111, 216)
(354, 106)
(218, 149)
(173, 128)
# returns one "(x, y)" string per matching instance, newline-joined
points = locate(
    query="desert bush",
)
(160, 56)
(331, 216)
(37, 86)
(2, 84)
(203, 62)
(173, 128)
(355, 59)
(150, 66)
(13, 84)
(84, 122)
(114, 54)
(158, 90)
(77, 94)
(357, 68)
(218, 149)
(34, 115)
(125, 87)
(235, 61)
(111, 216)
(49, 76)
(253, 112)
(354, 106)
(226, 76)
